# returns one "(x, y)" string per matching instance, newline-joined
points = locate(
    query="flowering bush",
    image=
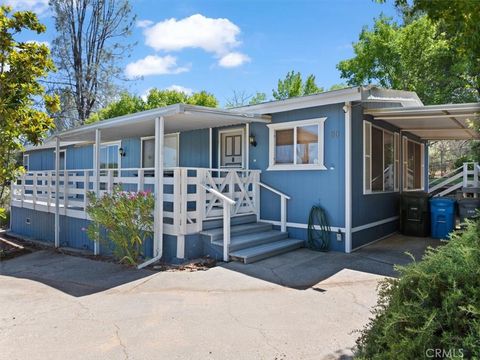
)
(126, 217)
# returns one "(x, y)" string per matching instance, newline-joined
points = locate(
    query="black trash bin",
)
(467, 208)
(415, 214)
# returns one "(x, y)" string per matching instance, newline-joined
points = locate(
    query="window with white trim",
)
(413, 165)
(297, 145)
(380, 159)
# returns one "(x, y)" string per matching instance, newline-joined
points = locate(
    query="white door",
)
(231, 149)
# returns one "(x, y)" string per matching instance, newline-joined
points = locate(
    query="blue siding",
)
(41, 159)
(308, 187)
(194, 147)
(131, 146)
(41, 225)
(79, 157)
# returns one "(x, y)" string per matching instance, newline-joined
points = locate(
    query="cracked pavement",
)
(300, 305)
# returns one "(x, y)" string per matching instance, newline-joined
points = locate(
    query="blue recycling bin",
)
(442, 215)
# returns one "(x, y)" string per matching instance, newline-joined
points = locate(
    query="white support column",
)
(96, 174)
(348, 177)
(226, 230)
(247, 146)
(57, 190)
(158, 212)
(210, 148)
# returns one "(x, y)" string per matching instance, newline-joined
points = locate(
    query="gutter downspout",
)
(158, 210)
(348, 176)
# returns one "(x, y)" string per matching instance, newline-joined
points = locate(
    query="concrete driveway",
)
(301, 305)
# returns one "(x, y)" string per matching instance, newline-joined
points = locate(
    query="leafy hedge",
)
(433, 309)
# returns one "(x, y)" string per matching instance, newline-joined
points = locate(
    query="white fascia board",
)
(301, 102)
(143, 115)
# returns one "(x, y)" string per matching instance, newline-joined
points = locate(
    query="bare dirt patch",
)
(11, 247)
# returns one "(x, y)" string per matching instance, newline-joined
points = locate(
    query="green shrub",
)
(434, 304)
(124, 219)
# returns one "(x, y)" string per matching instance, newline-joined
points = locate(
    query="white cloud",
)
(144, 23)
(37, 6)
(145, 93)
(154, 65)
(180, 88)
(216, 36)
(233, 59)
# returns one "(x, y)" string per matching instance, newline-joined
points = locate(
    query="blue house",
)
(240, 183)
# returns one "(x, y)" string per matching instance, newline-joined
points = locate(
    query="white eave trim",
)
(326, 98)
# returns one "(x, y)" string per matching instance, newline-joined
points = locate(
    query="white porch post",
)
(247, 146)
(210, 148)
(96, 172)
(158, 211)
(348, 177)
(57, 191)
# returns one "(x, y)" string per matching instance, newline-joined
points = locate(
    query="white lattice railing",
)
(186, 202)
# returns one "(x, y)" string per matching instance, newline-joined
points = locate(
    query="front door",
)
(231, 148)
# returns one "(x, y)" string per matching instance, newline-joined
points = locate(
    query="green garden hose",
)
(318, 229)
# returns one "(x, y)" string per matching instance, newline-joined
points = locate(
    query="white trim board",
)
(375, 224)
(301, 226)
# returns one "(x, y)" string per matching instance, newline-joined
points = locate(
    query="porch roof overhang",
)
(178, 118)
(432, 122)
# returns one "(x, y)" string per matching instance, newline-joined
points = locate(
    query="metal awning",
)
(178, 118)
(432, 122)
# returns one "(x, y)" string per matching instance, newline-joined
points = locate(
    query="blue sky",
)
(227, 45)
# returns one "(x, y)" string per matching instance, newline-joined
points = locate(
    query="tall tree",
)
(129, 104)
(458, 19)
(23, 100)
(89, 45)
(293, 85)
(417, 56)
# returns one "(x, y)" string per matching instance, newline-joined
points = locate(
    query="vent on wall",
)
(27, 221)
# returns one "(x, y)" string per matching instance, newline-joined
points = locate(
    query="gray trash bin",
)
(467, 208)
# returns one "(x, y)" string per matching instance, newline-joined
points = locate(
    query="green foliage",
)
(338, 86)
(22, 98)
(459, 20)
(293, 85)
(127, 219)
(418, 56)
(129, 104)
(258, 98)
(435, 303)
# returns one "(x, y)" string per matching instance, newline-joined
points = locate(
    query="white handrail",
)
(227, 203)
(283, 205)
(218, 194)
(273, 190)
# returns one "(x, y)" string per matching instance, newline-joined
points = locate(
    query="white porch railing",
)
(464, 177)
(186, 201)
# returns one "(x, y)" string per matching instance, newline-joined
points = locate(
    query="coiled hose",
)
(318, 229)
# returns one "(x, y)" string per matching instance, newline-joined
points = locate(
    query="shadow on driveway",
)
(301, 269)
(73, 275)
(304, 268)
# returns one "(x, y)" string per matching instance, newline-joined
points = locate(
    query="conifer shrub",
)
(432, 310)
